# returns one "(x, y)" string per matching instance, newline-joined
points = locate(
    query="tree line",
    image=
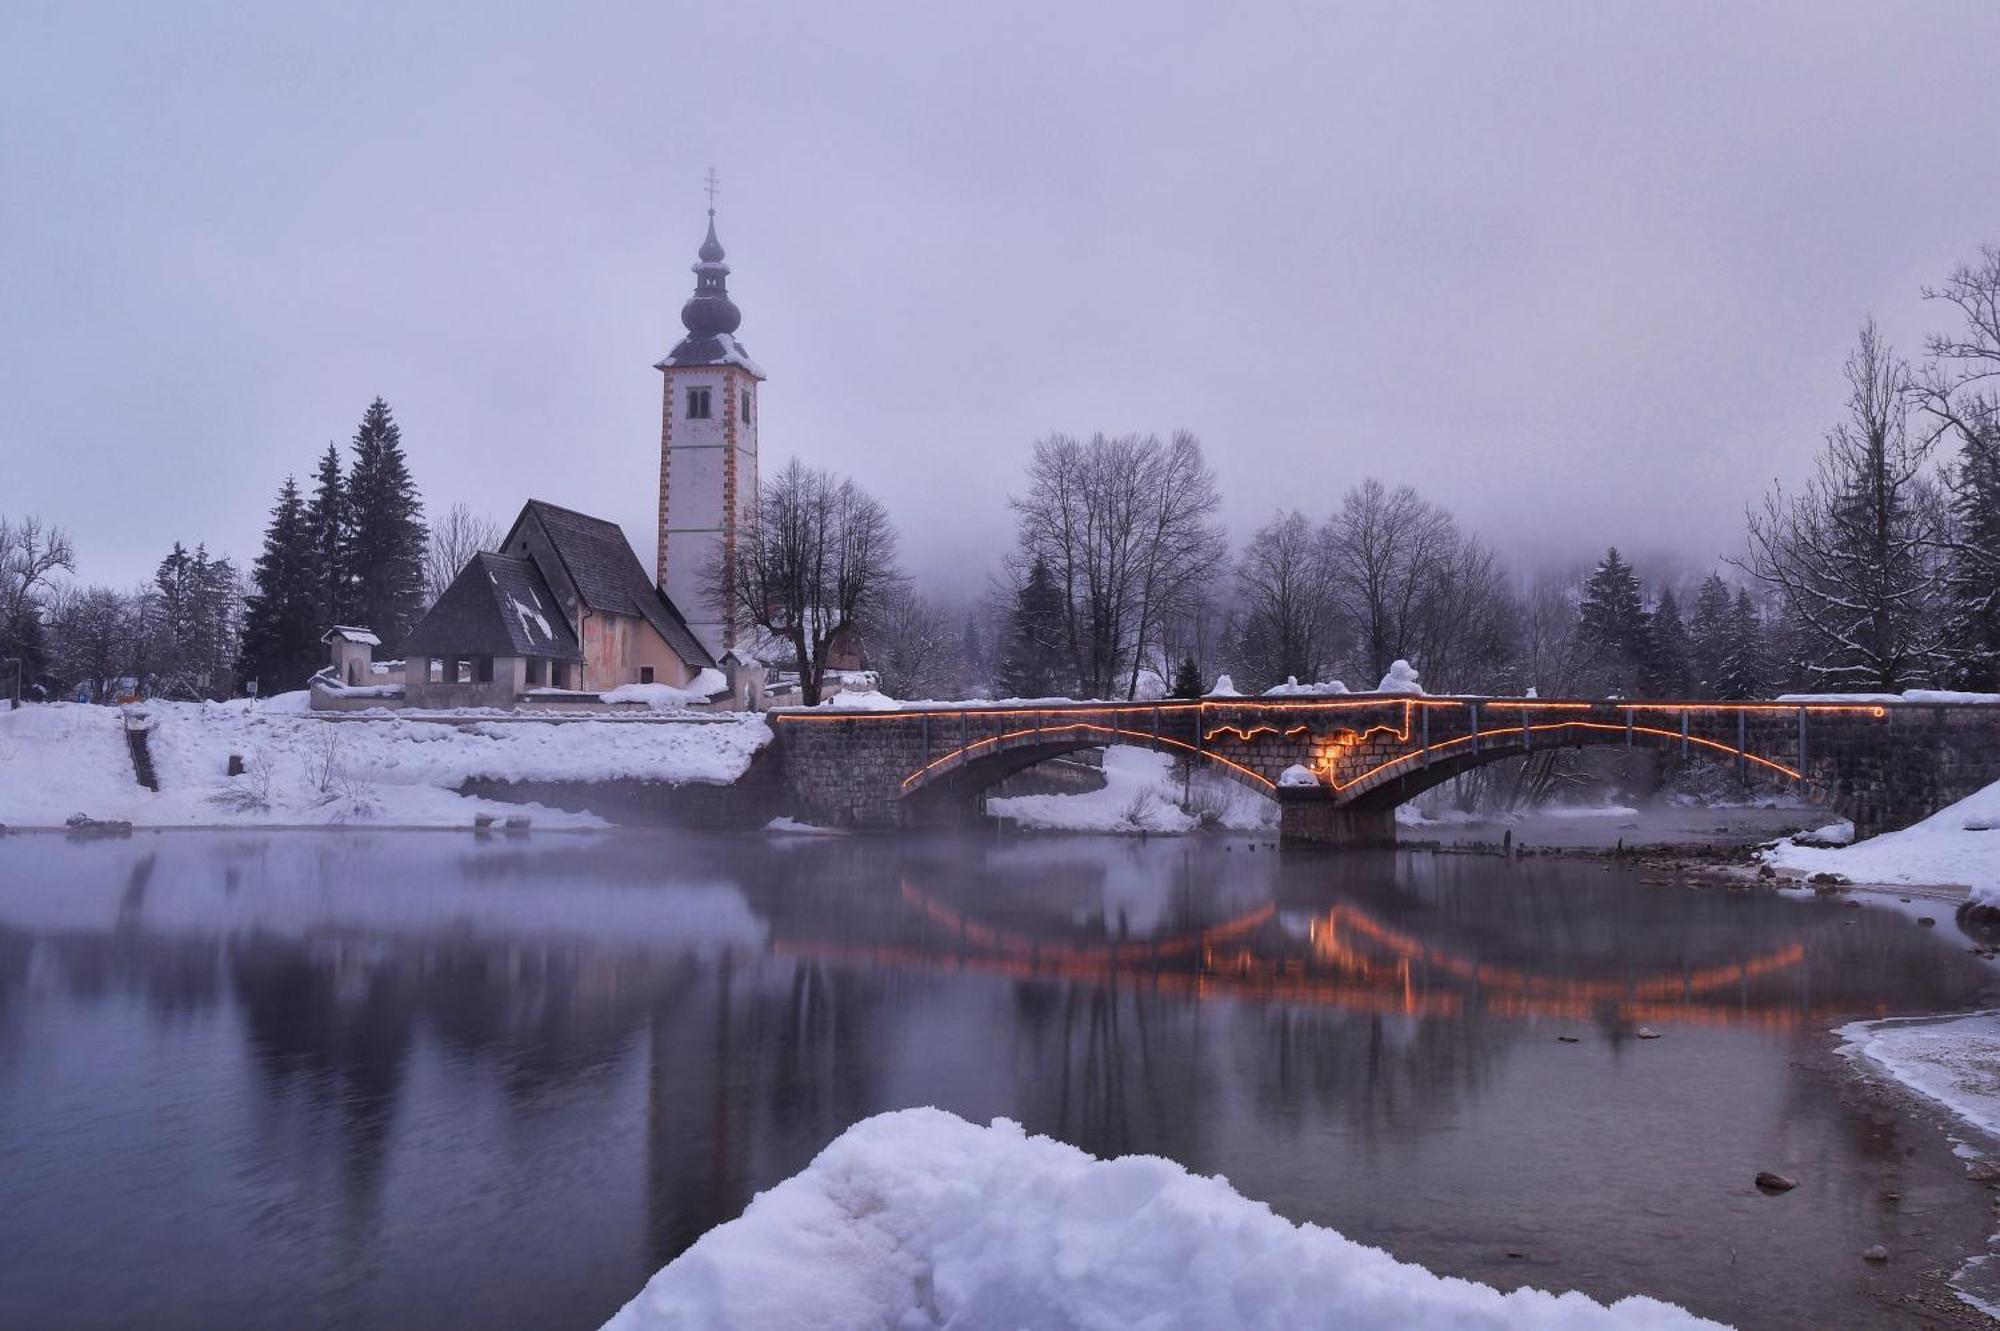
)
(1880, 572)
(354, 550)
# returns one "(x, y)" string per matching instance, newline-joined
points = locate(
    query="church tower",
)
(708, 449)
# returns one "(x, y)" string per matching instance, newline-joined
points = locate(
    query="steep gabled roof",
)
(608, 576)
(497, 606)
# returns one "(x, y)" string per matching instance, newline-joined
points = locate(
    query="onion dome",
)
(710, 311)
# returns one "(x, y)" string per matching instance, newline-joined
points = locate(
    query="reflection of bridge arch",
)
(1351, 961)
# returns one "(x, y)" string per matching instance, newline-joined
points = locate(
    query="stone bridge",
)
(1884, 765)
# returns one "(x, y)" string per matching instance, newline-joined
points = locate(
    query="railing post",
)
(1425, 713)
(1527, 735)
(927, 738)
(1802, 745)
(1684, 732)
(1628, 727)
(1475, 726)
(1742, 744)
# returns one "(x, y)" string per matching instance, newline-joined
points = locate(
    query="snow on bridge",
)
(1339, 765)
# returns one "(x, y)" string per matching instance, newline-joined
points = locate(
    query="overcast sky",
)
(1584, 273)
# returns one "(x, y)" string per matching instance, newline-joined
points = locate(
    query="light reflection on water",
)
(403, 1079)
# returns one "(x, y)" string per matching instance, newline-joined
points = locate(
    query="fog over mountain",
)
(1584, 273)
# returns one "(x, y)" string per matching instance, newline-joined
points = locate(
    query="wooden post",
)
(1475, 726)
(1802, 745)
(1742, 745)
(1684, 732)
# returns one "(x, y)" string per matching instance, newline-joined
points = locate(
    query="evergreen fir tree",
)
(1668, 660)
(1746, 669)
(1972, 588)
(385, 537)
(1187, 679)
(327, 522)
(1032, 667)
(280, 628)
(1611, 623)
(1708, 646)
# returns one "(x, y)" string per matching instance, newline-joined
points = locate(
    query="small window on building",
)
(434, 670)
(645, 674)
(535, 671)
(744, 399)
(462, 669)
(483, 669)
(697, 404)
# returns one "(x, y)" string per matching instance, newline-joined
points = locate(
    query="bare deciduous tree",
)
(1854, 554)
(813, 566)
(1286, 597)
(1126, 527)
(916, 647)
(30, 555)
(454, 539)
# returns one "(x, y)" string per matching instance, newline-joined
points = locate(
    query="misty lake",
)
(391, 1079)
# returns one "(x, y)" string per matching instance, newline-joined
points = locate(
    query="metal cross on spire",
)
(713, 184)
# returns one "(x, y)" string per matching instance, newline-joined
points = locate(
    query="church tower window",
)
(697, 404)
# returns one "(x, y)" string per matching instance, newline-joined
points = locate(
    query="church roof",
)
(710, 349)
(608, 576)
(498, 605)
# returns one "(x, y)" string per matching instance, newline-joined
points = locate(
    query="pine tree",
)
(1972, 585)
(280, 628)
(1611, 623)
(385, 538)
(1668, 664)
(1708, 632)
(327, 522)
(1032, 667)
(1187, 679)
(1746, 669)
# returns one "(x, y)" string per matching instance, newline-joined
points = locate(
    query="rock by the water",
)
(1567, 1039)
(1647, 1033)
(1770, 1182)
(1876, 1253)
(1926, 921)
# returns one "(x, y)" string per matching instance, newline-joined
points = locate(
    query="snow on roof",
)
(348, 633)
(710, 349)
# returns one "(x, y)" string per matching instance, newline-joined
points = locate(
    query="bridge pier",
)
(1310, 818)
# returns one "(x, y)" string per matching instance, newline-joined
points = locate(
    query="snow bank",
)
(1956, 846)
(665, 697)
(305, 769)
(1291, 688)
(1908, 695)
(918, 1218)
(1140, 794)
(1402, 678)
(1297, 776)
(1954, 1061)
(1225, 687)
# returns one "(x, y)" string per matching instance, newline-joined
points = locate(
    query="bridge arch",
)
(1398, 780)
(963, 772)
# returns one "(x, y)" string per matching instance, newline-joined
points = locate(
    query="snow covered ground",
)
(1958, 846)
(302, 769)
(919, 1218)
(1141, 794)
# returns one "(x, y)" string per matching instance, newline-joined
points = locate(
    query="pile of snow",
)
(1402, 678)
(1958, 846)
(1225, 687)
(1291, 688)
(1296, 776)
(304, 769)
(918, 1218)
(793, 827)
(665, 697)
(861, 700)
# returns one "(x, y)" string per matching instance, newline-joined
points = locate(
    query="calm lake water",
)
(421, 1080)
